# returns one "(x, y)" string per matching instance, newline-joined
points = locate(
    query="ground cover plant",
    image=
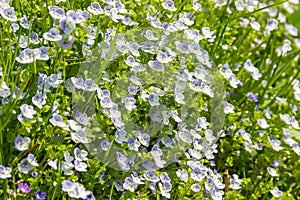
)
(116, 99)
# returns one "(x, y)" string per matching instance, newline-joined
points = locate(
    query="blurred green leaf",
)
(294, 19)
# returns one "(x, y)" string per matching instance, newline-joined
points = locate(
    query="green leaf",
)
(295, 133)
(24, 75)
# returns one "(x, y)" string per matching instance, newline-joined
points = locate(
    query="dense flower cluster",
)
(90, 88)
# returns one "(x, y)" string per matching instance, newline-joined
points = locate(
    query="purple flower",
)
(56, 12)
(34, 38)
(34, 174)
(52, 35)
(253, 97)
(74, 16)
(56, 120)
(67, 185)
(130, 61)
(66, 42)
(15, 27)
(164, 177)
(162, 57)
(150, 36)
(133, 144)
(150, 176)
(41, 53)
(67, 25)
(90, 85)
(39, 99)
(196, 187)
(26, 56)
(8, 14)
(119, 185)
(84, 15)
(105, 145)
(80, 155)
(156, 66)
(5, 172)
(169, 5)
(79, 137)
(25, 23)
(40, 195)
(100, 178)
(27, 111)
(82, 118)
(21, 143)
(95, 8)
(80, 166)
(129, 184)
(24, 187)
(78, 82)
(276, 192)
(122, 161)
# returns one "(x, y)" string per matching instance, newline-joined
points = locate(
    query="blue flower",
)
(22, 144)
(129, 184)
(162, 57)
(276, 192)
(56, 12)
(34, 38)
(15, 27)
(67, 25)
(79, 137)
(120, 136)
(34, 174)
(80, 166)
(130, 61)
(122, 161)
(41, 53)
(5, 172)
(25, 23)
(95, 8)
(56, 120)
(156, 66)
(8, 14)
(39, 99)
(150, 176)
(26, 56)
(80, 155)
(119, 185)
(89, 85)
(169, 5)
(78, 82)
(27, 111)
(40, 195)
(74, 16)
(52, 35)
(66, 42)
(23, 41)
(133, 144)
(105, 145)
(182, 174)
(82, 118)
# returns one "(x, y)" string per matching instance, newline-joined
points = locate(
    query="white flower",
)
(21, 143)
(235, 183)
(228, 108)
(272, 171)
(5, 172)
(27, 111)
(276, 192)
(263, 123)
(255, 25)
(169, 5)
